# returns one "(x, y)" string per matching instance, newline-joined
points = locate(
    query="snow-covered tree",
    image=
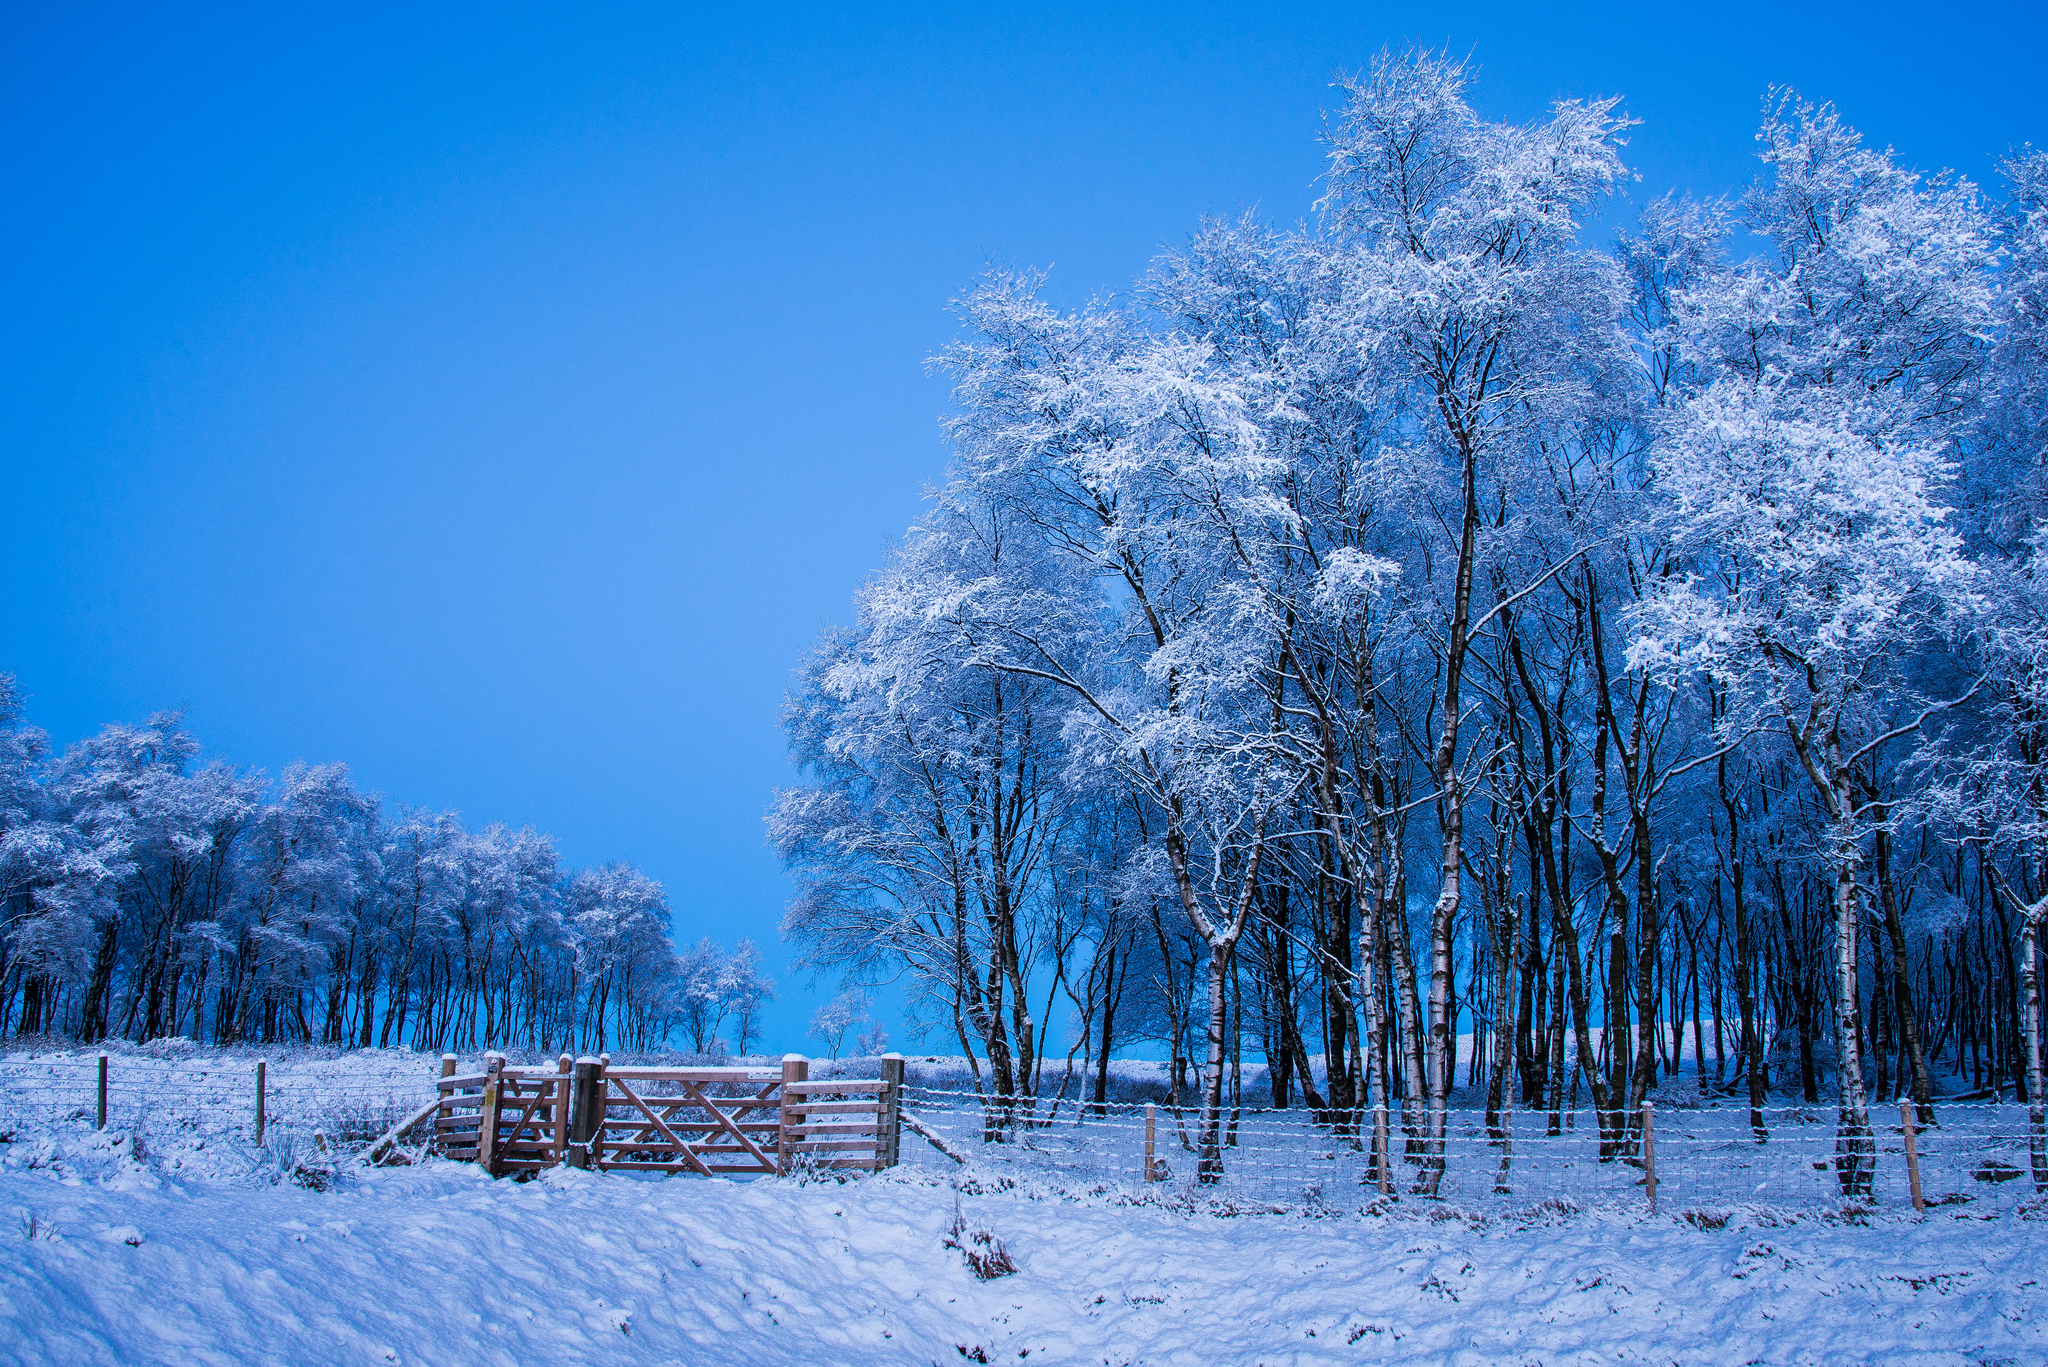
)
(1805, 488)
(145, 894)
(846, 1011)
(1381, 582)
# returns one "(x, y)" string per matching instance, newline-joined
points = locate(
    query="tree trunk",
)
(2033, 929)
(1902, 987)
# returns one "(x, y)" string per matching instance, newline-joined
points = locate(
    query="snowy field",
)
(170, 1239)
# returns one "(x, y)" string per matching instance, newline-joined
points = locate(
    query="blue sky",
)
(501, 400)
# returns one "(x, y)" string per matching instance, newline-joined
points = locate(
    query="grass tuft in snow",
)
(987, 1257)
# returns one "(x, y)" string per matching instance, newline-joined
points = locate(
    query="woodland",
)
(1443, 645)
(147, 896)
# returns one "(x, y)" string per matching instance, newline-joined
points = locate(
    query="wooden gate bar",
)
(725, 1122)
(681, 1147)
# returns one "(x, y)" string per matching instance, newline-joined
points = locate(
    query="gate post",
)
(584, 1084)
(487, 1118)
(558, 1113)
(795, 1068)
(889, 1143)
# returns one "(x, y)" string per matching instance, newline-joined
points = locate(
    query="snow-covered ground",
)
(116, 1264)
(169, 1238)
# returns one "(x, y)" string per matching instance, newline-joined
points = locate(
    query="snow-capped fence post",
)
(447, 1065)
(890, 1141)
(487, 1120)
(1151, 1123)
(585, 1081)
(1912, 1155)
(102, 1123)
(795, 1068)
(560, 1114)
(1650, 1153)
(1382, 1169)
(261, 1065)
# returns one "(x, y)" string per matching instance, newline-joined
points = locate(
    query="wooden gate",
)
(707, 1121)
(504, 1119)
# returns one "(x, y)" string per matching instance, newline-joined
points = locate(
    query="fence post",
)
(1912, 1156)
(584, 1080)
(1151, 1121)
(1650, 1153)
(261, 1067)
(487, 1119)
(600, 1108)
(890, 1142)
(795, 1068)
(559, 1113)
(1379, 1148)
(103, 1093)
(442, 1095)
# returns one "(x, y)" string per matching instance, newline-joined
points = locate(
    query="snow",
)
(164, 1239)
(437, 1264)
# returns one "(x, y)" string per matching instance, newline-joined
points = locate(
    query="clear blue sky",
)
(501, 400)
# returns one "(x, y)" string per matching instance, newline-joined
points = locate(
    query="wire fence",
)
(1974, 1158)
(211, 1096)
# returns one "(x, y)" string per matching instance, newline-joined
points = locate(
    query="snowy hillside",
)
(172, 1238)
(115, 1263)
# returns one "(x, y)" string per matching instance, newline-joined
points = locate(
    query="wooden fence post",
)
(1912, 1156)
(559, 1112)
(1650, 1152)
(600, 1108)
(487, 1119)
(103, 1093)
(584, 1081)
(795, 1068)
(261, 1066)
(1151, 1123)
(1379, 1149)
(442, 1095)
(889, 1143)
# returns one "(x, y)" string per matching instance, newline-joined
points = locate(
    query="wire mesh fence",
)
(1974, 1156)
(1975, 1159)
(212, 1095)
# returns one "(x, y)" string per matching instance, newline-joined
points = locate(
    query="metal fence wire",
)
(1975, 1158)
(1976, 1155)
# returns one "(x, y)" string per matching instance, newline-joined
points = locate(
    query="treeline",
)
(1424, 621)
(144, 895)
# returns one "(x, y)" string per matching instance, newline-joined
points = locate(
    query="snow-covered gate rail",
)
(588, 1113)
